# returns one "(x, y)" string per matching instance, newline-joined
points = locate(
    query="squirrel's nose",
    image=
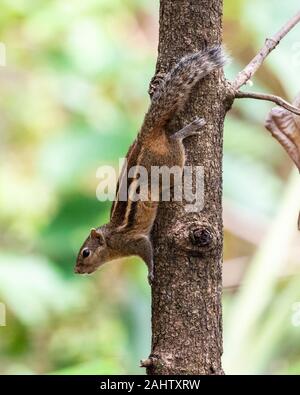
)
(77, 270)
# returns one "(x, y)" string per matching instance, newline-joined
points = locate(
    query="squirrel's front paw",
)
(150, 278)
(155, 83)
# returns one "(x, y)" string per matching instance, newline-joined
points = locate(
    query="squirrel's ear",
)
(96, 234)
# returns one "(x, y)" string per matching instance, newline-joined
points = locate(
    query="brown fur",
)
(128, 232)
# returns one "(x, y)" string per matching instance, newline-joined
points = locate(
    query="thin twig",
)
(263, 96)
(270, 44)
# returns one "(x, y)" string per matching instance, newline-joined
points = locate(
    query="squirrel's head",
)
(93, 253)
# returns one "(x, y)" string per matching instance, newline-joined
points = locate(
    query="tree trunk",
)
(186, 294)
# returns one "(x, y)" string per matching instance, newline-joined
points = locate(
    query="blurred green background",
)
(73, 95)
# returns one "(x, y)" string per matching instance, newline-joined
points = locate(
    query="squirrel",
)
(130, 225)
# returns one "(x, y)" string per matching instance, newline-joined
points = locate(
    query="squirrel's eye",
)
(86, 252)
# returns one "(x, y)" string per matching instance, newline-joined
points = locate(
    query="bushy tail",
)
(175, 88)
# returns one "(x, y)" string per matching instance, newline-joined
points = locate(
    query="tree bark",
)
(186, 293)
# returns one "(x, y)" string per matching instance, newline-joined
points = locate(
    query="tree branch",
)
(263, 96)
(270, 44)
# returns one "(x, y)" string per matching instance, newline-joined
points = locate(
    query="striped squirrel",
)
(128, 232)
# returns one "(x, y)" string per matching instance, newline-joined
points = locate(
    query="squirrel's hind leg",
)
(189, 130)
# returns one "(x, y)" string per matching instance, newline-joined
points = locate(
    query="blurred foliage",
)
(74, 91)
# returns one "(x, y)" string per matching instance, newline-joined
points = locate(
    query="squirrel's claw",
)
(150, 278)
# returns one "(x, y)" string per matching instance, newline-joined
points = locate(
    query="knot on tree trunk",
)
(195, 238)
(201, 237)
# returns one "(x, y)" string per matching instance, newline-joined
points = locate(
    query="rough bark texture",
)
(186, 294)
